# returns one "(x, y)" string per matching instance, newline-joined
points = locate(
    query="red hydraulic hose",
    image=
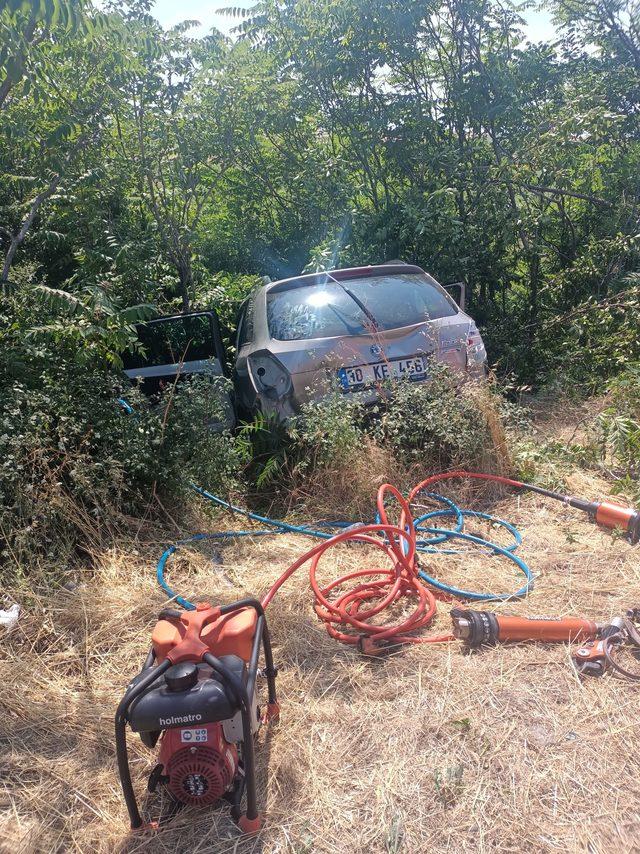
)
(352, 616)
(348, 617)
(449, 475)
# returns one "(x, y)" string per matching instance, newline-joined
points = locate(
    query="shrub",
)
(619, 430)
(325, 435)
(328, 432)
(549, 462)
(336, 452)
(69, 453)
(443, 423)
(71, 459)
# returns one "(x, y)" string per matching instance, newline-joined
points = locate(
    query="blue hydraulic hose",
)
(222, 535)
(125, 405)
(423, 545)
(282, 527)
(277, 526)
(496, 549)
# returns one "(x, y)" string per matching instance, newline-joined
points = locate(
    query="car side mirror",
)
(459, 293)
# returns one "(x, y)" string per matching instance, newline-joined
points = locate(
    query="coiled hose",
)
(351, 606)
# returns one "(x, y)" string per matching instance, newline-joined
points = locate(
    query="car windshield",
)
(328, 310)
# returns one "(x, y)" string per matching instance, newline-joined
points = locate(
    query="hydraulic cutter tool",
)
(593, 658)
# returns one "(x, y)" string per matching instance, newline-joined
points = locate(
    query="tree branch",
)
(35, 206)
(556, 191)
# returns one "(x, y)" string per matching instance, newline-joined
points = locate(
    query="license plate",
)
(365, 375)
(189, 736)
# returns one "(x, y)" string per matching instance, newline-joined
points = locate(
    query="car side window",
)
(245, 324)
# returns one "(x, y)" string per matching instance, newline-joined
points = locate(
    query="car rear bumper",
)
(315, 386)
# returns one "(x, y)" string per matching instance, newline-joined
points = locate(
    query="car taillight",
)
(268, 375)
(474, 340)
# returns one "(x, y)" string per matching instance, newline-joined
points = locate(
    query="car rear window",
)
(328, 310)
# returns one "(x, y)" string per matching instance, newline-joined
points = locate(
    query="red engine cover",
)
(200, 763)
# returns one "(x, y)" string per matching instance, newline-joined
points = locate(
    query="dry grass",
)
(427, 750)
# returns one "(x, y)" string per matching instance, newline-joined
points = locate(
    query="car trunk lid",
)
(317, 368)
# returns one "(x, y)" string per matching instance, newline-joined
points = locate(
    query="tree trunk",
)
(36, 204)
(8, 83)
(185, 277)
(17, 239)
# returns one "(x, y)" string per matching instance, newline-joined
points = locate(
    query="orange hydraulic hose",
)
(448, 475)
(348, 617)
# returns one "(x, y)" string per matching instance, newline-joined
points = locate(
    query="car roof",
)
(342, 274)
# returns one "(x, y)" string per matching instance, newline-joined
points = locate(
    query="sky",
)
(170, 12)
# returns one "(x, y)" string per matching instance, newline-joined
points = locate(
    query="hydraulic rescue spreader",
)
(601, 642)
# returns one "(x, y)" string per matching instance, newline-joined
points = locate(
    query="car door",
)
(179, 346)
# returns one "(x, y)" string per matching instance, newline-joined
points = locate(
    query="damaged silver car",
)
(353, 329)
